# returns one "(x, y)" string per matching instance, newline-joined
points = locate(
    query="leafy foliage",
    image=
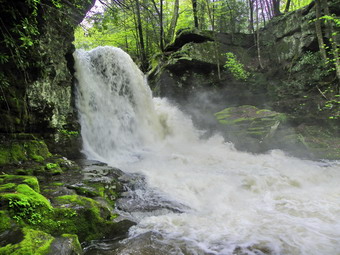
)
(235, 67)
(24, 210)
(295, 4)
(117, 26)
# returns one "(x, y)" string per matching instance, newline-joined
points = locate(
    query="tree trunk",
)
(232, 23)
(332, 39)
(276, 7)
(287, 5)
(263, 6)
(270, 10)
(319, 30)
(144, 63)
(258, 35)
(216, 50)
(161, 32)
(173, 23)
(251, 17)
(194, 10)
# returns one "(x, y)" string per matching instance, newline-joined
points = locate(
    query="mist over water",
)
(233, 202)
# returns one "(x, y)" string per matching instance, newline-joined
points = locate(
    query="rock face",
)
(36, 63)
(289, 77)
(190, 63)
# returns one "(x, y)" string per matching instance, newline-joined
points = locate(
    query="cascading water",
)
(233, 202)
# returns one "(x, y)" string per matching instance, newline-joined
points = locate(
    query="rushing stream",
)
(231, 202)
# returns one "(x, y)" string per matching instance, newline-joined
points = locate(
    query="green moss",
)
(242, 120)
(263, 111)
(223, 114)
(99, 187)
(76, 215)
(83, 216)
(12, 153)
(5, 221)
(75, 241)
(53, 168)
(69, 132)
(38, 158)
(257, 134)
(25, 205)
(31, 181)
(57, 184)
(79, 200)
(37, 149)
(4, 155)
(35, 242)
(16, 151)
(50, 166)
(7, 187)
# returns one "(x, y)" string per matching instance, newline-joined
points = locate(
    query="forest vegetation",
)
(144, 27)
(45, 202)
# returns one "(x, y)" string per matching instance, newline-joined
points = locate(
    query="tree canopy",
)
(143, 27)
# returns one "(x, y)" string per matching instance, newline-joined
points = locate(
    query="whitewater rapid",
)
(231, 201)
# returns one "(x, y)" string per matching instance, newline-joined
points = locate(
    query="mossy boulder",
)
(5, 221)
(14, 180)
(258, 130)
(67, 244)
(91, 220)
(14, 150)
(33, 242)
(23, 205)
(250, 121)
(25, 154)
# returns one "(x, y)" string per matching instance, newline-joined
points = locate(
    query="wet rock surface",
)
(36, 80)
(144, 244)
(135, 201)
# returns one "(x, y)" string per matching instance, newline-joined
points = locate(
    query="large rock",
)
(36, 63)
(259, 130)
(248, 127)
(190, 63)
(67, 206)
(254, 122)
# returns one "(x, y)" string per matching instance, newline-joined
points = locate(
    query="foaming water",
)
(233, 202)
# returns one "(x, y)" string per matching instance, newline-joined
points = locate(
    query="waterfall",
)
(233, 202)
(116, 109)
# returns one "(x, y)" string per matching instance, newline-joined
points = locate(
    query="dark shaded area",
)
(185, 36)
(36, 61)
(11, 236)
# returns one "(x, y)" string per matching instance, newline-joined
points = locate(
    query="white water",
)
(262, 204)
